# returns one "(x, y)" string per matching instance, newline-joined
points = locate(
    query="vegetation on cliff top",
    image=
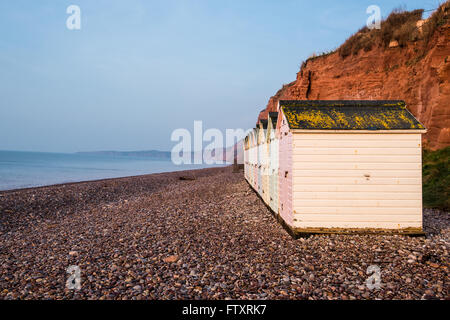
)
(436, 179)
(400, 26)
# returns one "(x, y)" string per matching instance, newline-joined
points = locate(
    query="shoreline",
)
(105, 179)
(158, 237)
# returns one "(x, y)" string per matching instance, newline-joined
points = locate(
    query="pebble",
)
(137, 288)
(172, 258)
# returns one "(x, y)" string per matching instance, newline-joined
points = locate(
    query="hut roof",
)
(264, 123)
(273, 116)
(349, 115)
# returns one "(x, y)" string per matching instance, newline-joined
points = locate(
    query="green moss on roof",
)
(349, 115)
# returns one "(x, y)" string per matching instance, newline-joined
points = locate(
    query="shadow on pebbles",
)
(159, 237)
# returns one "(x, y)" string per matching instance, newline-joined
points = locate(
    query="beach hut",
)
(263, 151)
(272, 142)
(246, 157)
(254, 153)
(268, 163)
(251, 157)
(348, 166)
(251, 167)
(255, 158)
(260, 133)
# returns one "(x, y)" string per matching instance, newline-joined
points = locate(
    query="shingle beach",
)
(161, 237)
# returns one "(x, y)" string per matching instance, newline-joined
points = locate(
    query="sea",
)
(31, 169)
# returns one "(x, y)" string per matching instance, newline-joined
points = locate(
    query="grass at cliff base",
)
(436, 179)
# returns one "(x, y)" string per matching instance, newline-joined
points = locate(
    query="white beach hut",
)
(246, 158)
(272, 141)
(252, 158)
(264, 157)
(348, 166)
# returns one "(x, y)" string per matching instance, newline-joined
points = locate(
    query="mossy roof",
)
(273, 116)
(264, 123)
(349, 115)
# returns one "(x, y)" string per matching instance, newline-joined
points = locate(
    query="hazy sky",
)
(138, 69)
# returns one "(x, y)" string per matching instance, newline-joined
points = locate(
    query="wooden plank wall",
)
(356, 180)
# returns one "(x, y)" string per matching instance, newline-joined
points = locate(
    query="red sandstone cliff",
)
(418, 73)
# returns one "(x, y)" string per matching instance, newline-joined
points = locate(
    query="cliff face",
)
(418, 73)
